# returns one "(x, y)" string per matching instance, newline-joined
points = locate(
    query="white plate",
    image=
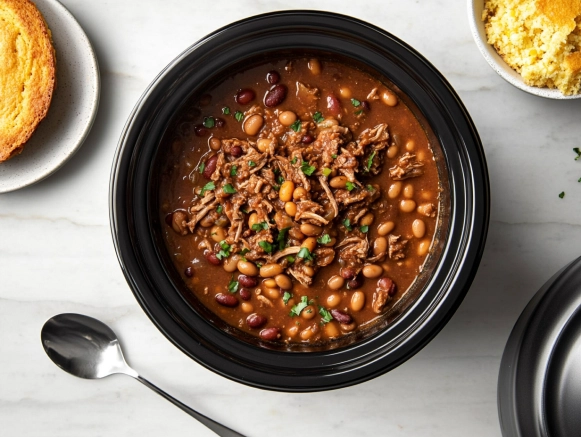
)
(73, 107)
(475, 8)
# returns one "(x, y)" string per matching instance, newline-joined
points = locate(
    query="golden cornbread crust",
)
(540, 39)
(27, 74)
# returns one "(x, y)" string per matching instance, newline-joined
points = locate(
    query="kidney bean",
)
(365, 104)
(200, 130)
(333, 105)
(272, 77)
(212, 258)
(189, 272)
(341, 317)
(245, 294)
(219, 122)
(275, 96)
(245, 96)
(227, 300)
(255, 320)
(307, 139)
(247, 281)
(270, 334)
(210, 166)
(236, 151)
(355, 283)
(387, 284)
(347, 273)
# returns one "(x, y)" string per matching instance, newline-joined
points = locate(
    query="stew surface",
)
(300, 199)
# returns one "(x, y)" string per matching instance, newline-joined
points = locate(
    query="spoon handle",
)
(218, 428)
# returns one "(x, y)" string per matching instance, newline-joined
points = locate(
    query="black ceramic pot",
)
(463, 220)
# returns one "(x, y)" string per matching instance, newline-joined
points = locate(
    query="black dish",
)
(136, 228)
(539, 389)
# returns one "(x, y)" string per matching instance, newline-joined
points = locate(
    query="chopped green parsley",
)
(324, 239)
(208, 187)
(325, 315)
(364, 229)
(290, 259)
(334, 156)
(294, 160)
(561, 194)
(281, 238)
(296, 126)
(251, 164)
(233, 170)
(370, 161)
(219, 209)
(224, 251)
(308, 169)
(305, 254)
(286, 297)
(299, 307)
(370, 187)
(355, 102)
(350, 186)
(202, 167)
(238, 116)
(229, 189)
(226, 110)
(326, 171)
(257, 227)
(233, 286)
(266, 246)
(209, 122)
(578, 152)
(347, 224)
(318, 117)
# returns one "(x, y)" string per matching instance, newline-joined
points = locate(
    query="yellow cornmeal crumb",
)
(541, 39)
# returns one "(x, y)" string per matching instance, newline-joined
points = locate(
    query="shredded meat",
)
(396, 247)
(407, 167)
(383, 293)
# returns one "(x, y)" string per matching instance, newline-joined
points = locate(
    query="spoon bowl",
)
(87, 348)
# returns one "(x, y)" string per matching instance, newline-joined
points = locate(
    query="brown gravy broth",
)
(337, 304)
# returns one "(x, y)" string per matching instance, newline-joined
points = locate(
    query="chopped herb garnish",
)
(257, 227)
(276, 187)
(308, 169)
(294, 160)
(359, 112)
(326, 171)
(244, 252)
(349, 185)
(370, 187)
(259, 265)
(578, 152)
(238, 116)
(355, 102)
(299, 307)
(225, 251)
(233, 170)
(208, 187)
(244, 210)
(334, 156)
(226, 110)
(370, 161)
(202, 167)
(364, 229)
(347, 224)
(579, 180)
(325, 314)
(280, 179)
(219, 209)
(296, 126)
(286, 297)
(266, 246)
(251, 164)
(281, 238)
(233, 286)
(305, 254)
(229, 189)
(318, 117)
(562, 194)
(290, 259)
(324, 239)
(209, 122)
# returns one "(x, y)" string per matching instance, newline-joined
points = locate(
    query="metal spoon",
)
(87, 348)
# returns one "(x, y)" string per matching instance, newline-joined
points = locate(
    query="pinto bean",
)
(226, 300)
(247, 281)
(253, 124)
(270, 334)
(283, 281)
(247, 268)
(357, 301)
(245, 96)
(255, 320)
(341, 317)
(210, 166)
(287, 118)
(275, 96)
(270, 270)
(335, 282)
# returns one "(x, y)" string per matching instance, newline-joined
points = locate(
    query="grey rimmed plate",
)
(73, 107)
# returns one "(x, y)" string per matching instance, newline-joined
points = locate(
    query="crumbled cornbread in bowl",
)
(540, 39)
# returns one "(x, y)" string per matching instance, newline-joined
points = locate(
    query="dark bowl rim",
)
(463, 260)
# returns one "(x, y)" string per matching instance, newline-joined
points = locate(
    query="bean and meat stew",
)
(300, 200)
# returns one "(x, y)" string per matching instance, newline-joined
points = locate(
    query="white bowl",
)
(475, 8)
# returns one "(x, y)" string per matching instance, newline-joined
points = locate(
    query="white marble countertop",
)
(56, 253)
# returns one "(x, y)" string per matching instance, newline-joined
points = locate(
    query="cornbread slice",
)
(540, 39)
(27, 74)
